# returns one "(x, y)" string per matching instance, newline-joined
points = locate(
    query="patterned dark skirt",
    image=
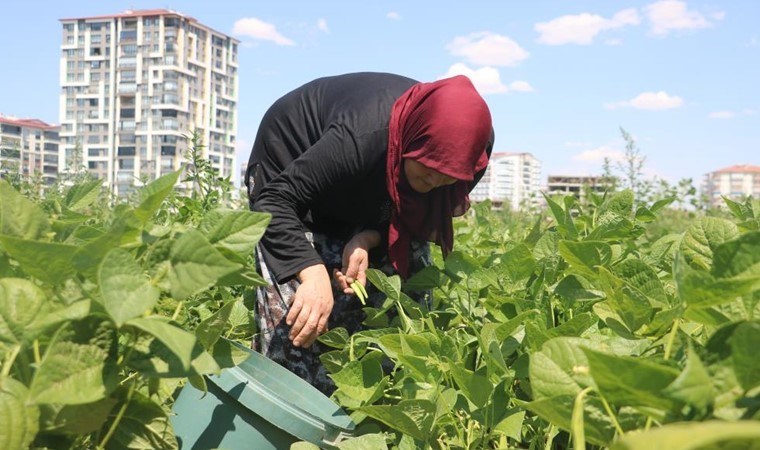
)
(274, 300)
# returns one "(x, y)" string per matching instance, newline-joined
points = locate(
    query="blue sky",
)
(683, 77)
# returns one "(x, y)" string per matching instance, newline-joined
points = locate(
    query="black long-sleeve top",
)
(319, 162)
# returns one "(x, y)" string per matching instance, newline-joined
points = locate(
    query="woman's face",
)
(423, 179)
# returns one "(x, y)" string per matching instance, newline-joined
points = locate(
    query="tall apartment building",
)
(511, 179)
(735, 182)
(135, 85)
(29, 147)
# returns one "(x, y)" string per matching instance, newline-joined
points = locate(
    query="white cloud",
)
(651, 101)
(582, 28)
(722, 115)
(258, 29)
(520, 86)
(322, 25)
(393, 15)
(749, 112)
(488, 49)
(487, 80)
(753, 42)
(598, 155)
(673, 15)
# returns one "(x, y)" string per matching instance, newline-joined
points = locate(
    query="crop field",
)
(578, 327)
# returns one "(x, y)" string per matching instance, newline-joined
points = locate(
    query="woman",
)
(357, 170)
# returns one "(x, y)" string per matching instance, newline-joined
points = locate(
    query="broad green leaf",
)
(429, 277)
(611, 226)
(563, 216)
(303, 445)
(19, 217)
(692, 436)
(627, 381)
(75, 419)
(699, 289)
(461, 266)
(19, 417)
(196, 265)
(693, 386)
(558, 410)
(144, 426)
(738, 258)
(335, 338)
(511, 426)
(642, 277)
(360, 382)
(152, 195)
(20, 305)
(560, 369)
(179, 341)
(474, 385)
(575, 289)
(701, 239)
(585, 257)
(71, 374)
(547, 246)
(81, 196)
(517, 263)
(744, 345)
(238, 231)
(127, 293)
(210, 329)
(619, 203)
(390, 286)
(47, 261)
(88, 257)
(374, 441)
(412, 417)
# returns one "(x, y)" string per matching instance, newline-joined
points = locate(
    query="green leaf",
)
(196, 265)
(19, 217)
(82, 195)
(575, 289)
(474, 385)
(691, 436)
(374, 441)
(560, 368)
(303, 445)
(517, 263)
(744, 343)
(597, 425)
(153, 195)
(511, 426)
(693, 386)
(209, 331)
(585, 257)
(412, 417)
(738, 258)
(619, 203)
(179, 341)
(75, 419)
(238, 231)
(127, 293)
(461, 266)
(702, 237)
(19, 418)
(20, 305)
(335, 338)
(390, 286)
(144, 426)
(360, 382)
(429, 277)
(71, 374)
(627, 381)
(47, 261)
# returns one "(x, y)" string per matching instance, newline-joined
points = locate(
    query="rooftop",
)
(29, 123)
(740, 168)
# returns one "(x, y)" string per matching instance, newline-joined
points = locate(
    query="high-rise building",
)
(135, 85)
(29, 147)
(735, 182)
(511, 179)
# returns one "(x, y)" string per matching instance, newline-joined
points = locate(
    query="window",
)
(95, 65)
(95, 51)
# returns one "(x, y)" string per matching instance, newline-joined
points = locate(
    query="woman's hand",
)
(311, 307)
(356, 260)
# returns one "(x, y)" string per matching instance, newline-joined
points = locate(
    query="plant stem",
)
(37, 358)
(178, 309)
(11, 358)
(118, 418)
(612, 415)
(578, 431)
(671, 339)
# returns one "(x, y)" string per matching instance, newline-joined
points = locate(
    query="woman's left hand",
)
(356, 260)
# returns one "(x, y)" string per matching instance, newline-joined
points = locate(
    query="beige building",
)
(735, 182)
(574, 184)
(29, 147)
(135, 84)
(511, 179)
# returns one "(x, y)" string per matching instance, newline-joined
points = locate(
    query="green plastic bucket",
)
(258, 405)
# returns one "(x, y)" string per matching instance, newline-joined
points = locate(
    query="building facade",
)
(735, 182)
(574, 184)
(135, 85)
(29, 147)
(511, 179)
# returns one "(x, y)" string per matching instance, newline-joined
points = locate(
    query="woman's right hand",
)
(311, 307)
(356, 260)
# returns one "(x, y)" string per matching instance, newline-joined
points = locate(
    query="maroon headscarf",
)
(445, 126)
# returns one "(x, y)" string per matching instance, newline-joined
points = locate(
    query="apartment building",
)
(511, 179)
(734, 182)
(135, 85)
(574, 184)
(29, 147)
